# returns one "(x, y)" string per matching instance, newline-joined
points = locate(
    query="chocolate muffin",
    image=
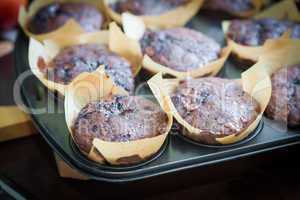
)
(118, 119)
(73, 60)
(256, 32)
(181, 49)
(229, 6)
(55, 15)
(219, 107)
(149, 7)
(284, 104)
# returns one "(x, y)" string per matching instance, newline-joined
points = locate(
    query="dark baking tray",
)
(176, 154)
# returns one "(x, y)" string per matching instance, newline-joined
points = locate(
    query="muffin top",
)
(73, 60)
(229, 6)
(55, 15)
(149, 7)
(284, 104)
(181, 49)
(216, 106)
(118, 119)
(256, 32)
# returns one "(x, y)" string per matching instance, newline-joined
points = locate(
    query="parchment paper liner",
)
(134, 28)
(284, 51)
(114, 38)
(88, 87)
(173, 18)
(70, 27)
(255, 81)
(258, 4)
(285, 9)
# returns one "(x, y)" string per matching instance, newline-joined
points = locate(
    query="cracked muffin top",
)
(256, 32)
(118, 119)
(219, 107)
(181, 49)
(73, 60)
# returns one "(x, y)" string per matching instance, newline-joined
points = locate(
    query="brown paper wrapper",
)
(134, 28)
(89, 87)
(255, 81)
(286, 9)
(282, 52)
(70, 27)
(173, 18)
(114, 38)
(125, 46)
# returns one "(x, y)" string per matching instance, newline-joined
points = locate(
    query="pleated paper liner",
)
(89, 87)
(286, 9)
(134, 28)
(257, 6)
(174, 18)
(70, 27)
(285, 52)
(121, 166)
(167, 86)
(43, 53)
(249, 138)
(255, 81)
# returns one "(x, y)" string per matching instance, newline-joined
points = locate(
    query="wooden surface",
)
(14, 123)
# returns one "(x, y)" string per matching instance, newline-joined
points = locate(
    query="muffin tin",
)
(178, 153)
